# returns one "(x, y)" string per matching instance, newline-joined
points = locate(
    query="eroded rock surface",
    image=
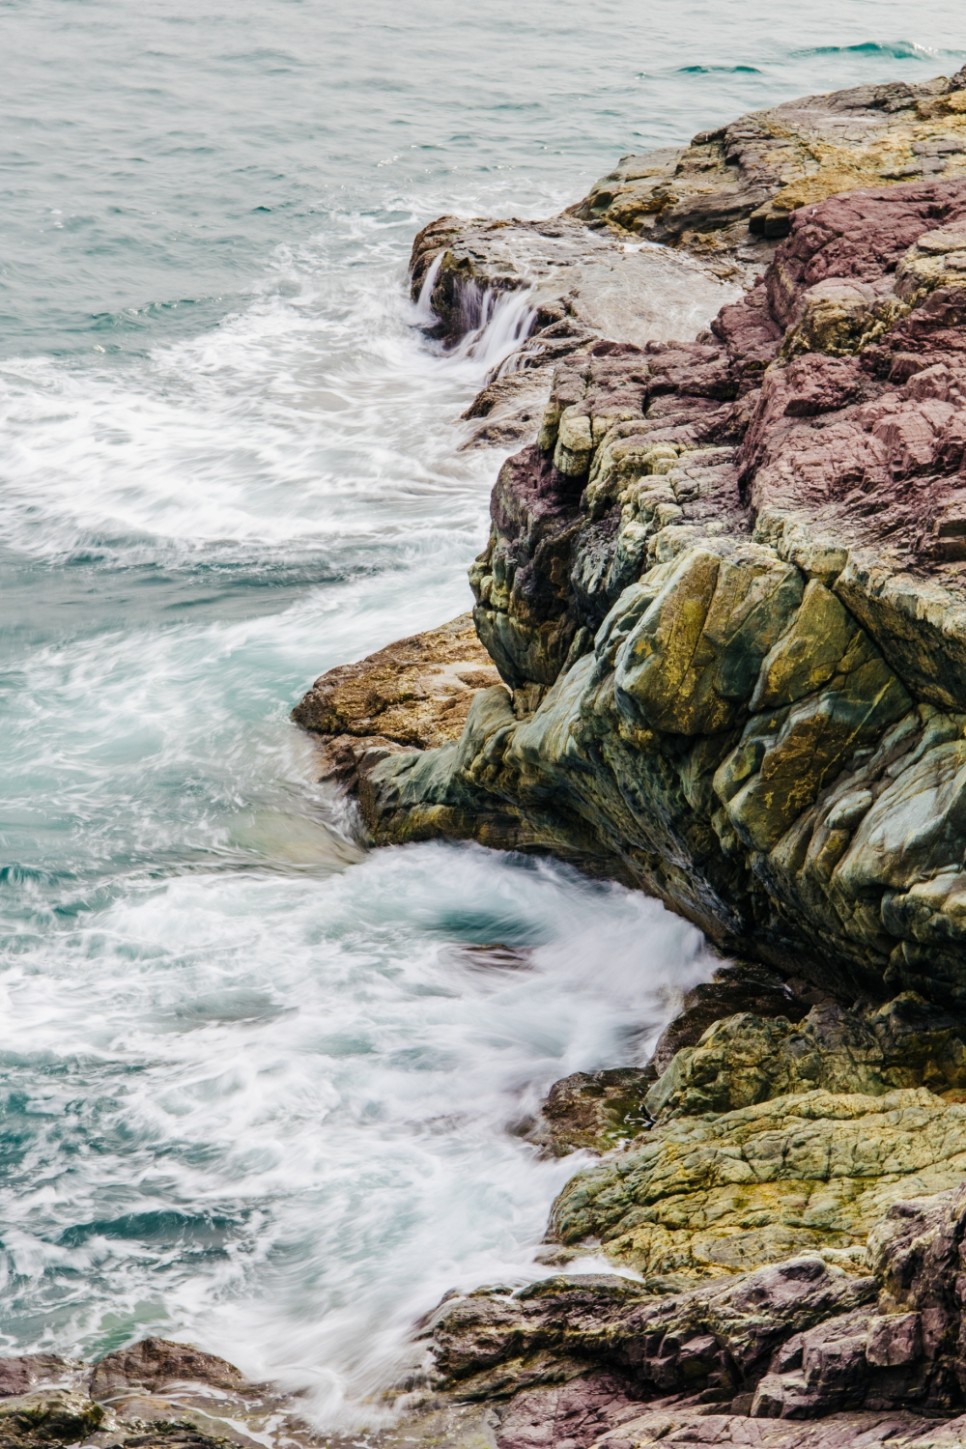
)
(725, 593)
(719, 1193)
(574, 285)
(414, 693)
(156, 1394)
(593, 1111)
(750, 176)
(716, 207)
(800, 1279)
(801, 1353)
(772, 1136)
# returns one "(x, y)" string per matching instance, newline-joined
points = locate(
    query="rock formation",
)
(724, 590)
(153, 1395)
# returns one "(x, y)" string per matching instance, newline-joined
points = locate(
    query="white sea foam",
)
(317, 416)
(262, 1090)
(294, 1109)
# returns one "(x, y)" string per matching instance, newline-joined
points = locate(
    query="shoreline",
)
(779, 1189)
(620, 554)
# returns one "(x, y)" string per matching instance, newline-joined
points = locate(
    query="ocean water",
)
(259, 1088)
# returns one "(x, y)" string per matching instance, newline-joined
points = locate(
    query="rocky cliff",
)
(725, 593)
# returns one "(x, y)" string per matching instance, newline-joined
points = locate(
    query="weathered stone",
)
(572, 284)
(157, 1363)
(689, 1426)
(593, 1111)
(40, 1419)
(724, 589)
(734, 623)
(741, 987)
(155, 1394)
(718, 1194)
(18, 1375)
(745, 1059)
(757, 171)
(415, 693)
(804, 1344)
(719, 1336)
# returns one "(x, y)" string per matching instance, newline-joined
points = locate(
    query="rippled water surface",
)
(257, 1088)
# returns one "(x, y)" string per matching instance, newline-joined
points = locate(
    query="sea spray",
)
(260, 1089)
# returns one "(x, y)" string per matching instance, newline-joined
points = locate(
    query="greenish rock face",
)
(744, 1060)
(775, 1137)
(723, 1193)
(724, 591)
(58, 1418)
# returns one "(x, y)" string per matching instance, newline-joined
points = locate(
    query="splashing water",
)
(496, 324)
(258, 1088)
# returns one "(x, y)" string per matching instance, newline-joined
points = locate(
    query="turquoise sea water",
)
(257, 1088)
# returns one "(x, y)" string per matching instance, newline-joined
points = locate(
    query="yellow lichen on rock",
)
(718, 1194)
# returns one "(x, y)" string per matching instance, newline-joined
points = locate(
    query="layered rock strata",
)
(795, 1286)
(725, 593)
(834, 1358)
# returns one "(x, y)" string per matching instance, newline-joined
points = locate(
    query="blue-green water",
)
(256, 1089)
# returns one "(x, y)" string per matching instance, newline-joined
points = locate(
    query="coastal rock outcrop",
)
(563, 285)
(155, 1394)
(798, 1277)
(742, 182)
(415, 693)
(724, 591)
(725, 594)
(800, 1353)
(715, 209)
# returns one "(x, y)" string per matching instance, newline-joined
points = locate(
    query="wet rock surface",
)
(724, 591)
(579, 284)
(739, 987)
(593, 1111)
(716, 207)
(798, 1284)
(156, 1394)
(731, 625)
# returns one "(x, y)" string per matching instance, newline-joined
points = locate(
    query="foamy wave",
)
(300, 1093)
(268, 434)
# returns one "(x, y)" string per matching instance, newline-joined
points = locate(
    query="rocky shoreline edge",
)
(718, 653)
